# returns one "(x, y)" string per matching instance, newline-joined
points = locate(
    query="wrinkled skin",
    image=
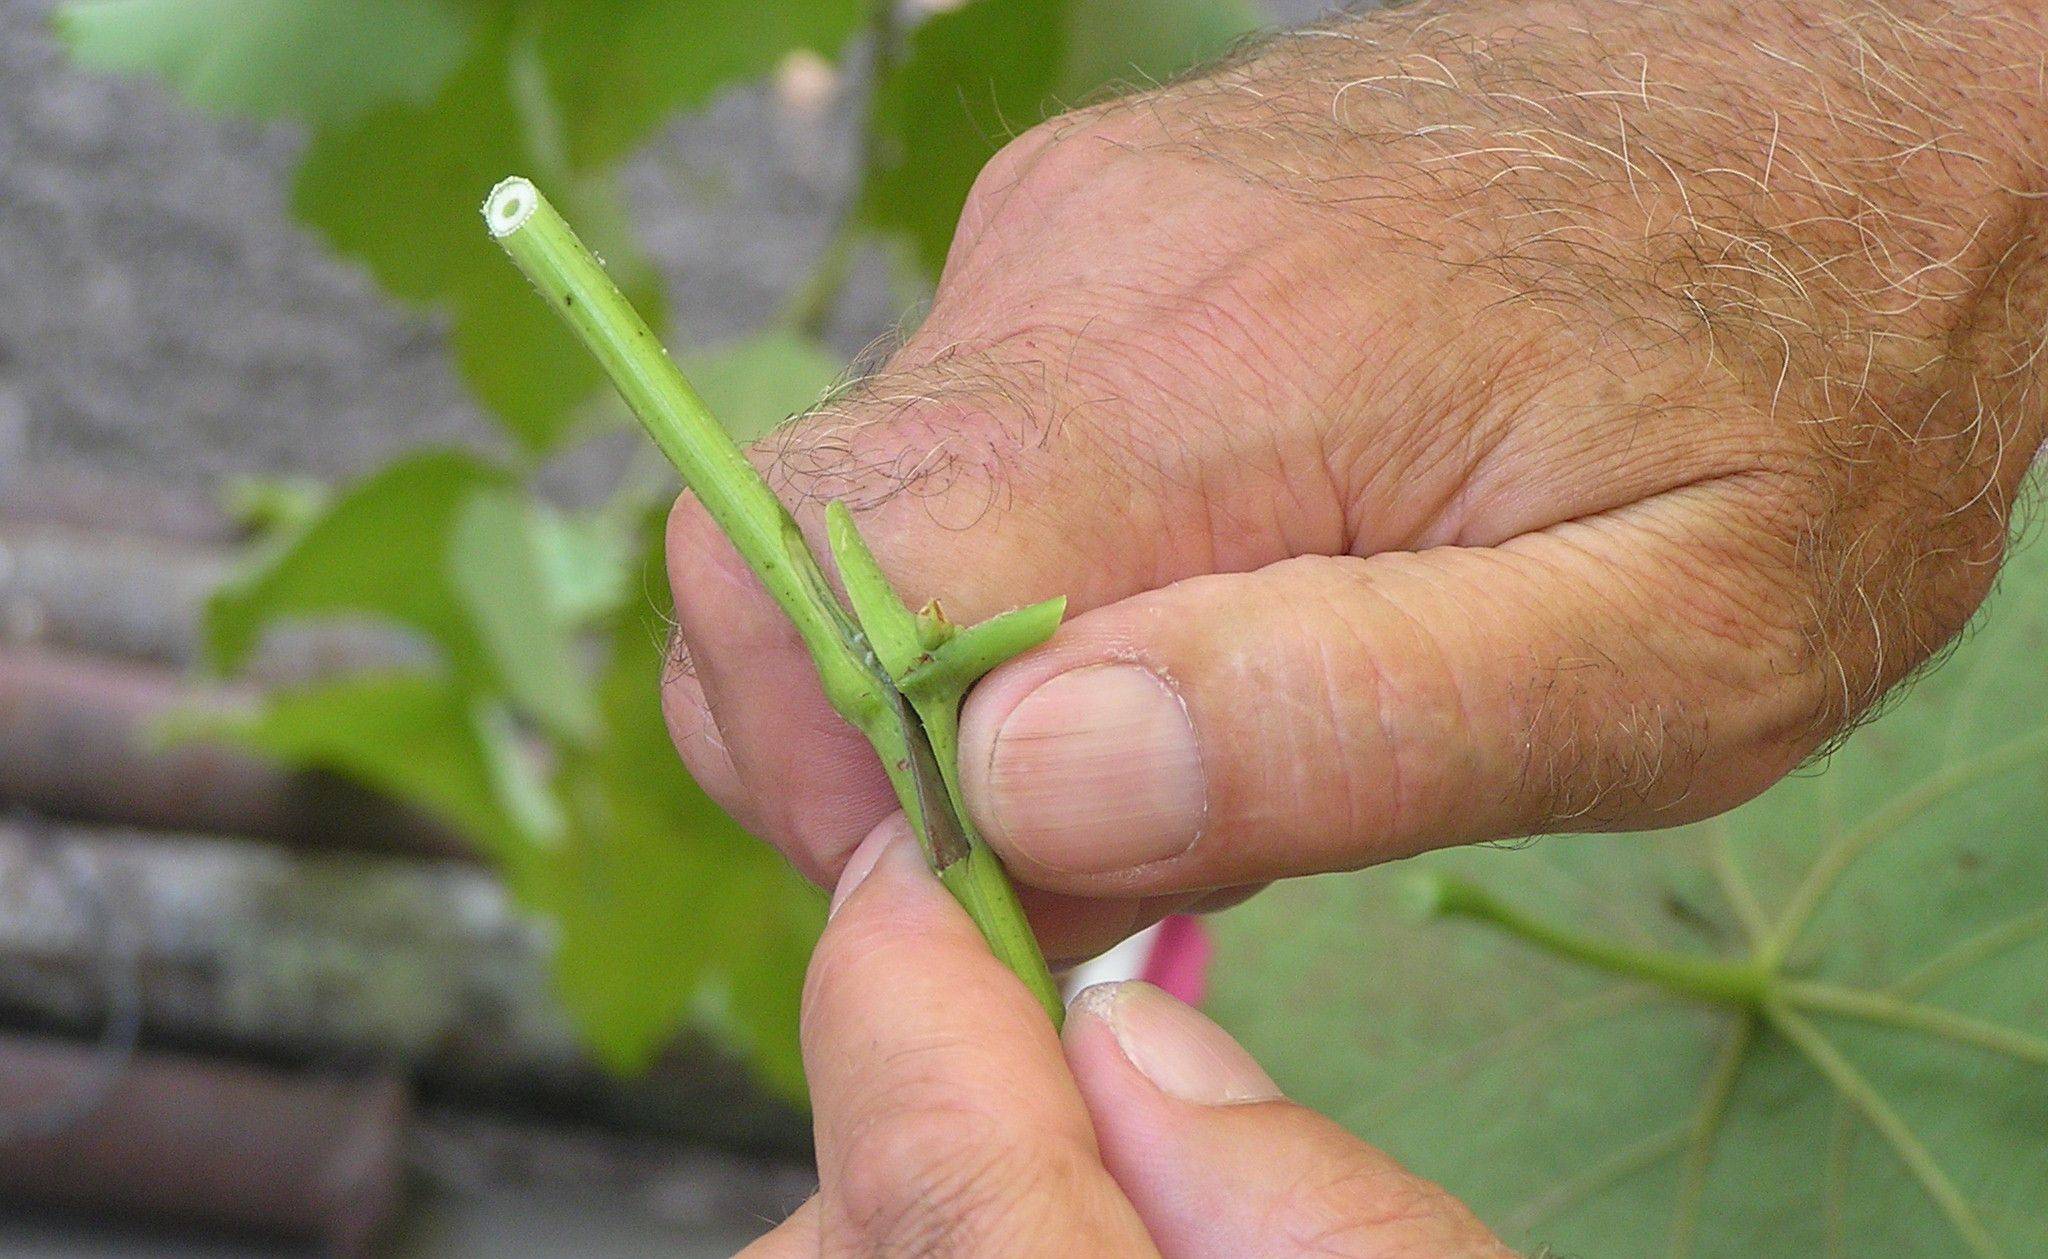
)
(1459, 479)
(1461, 423)
(951, 1121)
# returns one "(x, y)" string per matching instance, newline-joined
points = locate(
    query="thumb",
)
(1219, 1164)
(1328, 713)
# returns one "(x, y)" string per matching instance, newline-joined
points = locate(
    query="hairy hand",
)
(1452, 424)
(951, 1121)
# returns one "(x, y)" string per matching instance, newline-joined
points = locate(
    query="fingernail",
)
(1095, 771)
(1175, 1046)
(864, 859)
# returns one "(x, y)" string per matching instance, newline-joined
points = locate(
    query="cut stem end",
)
(510, 205)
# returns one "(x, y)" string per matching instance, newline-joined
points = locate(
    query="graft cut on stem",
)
(876, 670)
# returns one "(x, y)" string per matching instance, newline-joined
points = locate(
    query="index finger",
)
(946, 1120)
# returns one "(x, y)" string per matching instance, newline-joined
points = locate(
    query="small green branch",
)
(572, 280)
(1702, 978)
(916, 747)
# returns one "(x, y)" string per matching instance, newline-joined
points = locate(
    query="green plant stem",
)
(747, 511)
(572, 281)
(1704, 978)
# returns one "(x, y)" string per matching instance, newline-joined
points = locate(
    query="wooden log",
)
(122, 594)
(425, 970)
(75, 743)
(171, 1139)
(95, 500)
(143, 598)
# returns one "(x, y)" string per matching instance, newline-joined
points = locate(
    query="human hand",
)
(952, 1121)
(1464, 423)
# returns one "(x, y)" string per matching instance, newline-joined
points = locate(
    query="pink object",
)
(1179, 958)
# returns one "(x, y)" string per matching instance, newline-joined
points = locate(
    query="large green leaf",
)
(665, 910)
(325, 61)
(375, 551)
(665, 906)
(410, 736)
(494, 569)
(398, 190)
(419, 106)
(1604, 1116)
(979, 74)
(619, 67)
(437, 543)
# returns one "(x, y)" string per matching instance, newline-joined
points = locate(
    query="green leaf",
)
(494, 568)
(399, 190)
(438, 543)
(620, 67)
(754, 384)
(755, 989)
(376, 551)
(981, 73)
(410, 736)
(585, 561)
(1611, 1119)
(270, 508)
(324, 61)
(665, 906)
(419, 106)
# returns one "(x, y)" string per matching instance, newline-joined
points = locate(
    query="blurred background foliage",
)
(1571, 1105)
(533, 726)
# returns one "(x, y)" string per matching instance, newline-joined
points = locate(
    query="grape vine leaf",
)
(398, 192)
(619, 67)
(411, 736)
(664, 909)
(665, 906)
(1612, 1120)
(323, 61)
(976, 75)
(494, 568)
(441, 544)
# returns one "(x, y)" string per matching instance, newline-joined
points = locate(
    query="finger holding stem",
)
(861, 689)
